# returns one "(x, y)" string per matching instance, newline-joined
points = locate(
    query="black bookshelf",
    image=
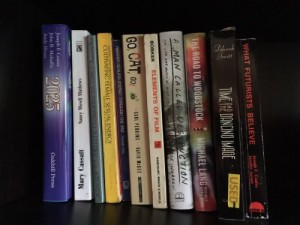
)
(21, 140)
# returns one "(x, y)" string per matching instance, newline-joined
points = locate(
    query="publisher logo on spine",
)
(179, 197)
(79, 48)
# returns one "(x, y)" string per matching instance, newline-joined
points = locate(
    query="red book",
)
(200, 122)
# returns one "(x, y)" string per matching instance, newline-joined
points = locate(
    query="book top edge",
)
(56, 25)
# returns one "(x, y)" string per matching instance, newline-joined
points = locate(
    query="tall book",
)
(203, 166)
(95, 121)
(226, 124)
(137, 119)
(253, 145)
(155, 121)
(121, 117)
(81, 118)
(176, 125)
(112, 175)
(57, 110)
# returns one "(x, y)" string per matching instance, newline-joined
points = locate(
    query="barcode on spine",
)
(140, 183)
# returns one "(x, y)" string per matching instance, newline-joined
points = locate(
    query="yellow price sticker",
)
(234, 184)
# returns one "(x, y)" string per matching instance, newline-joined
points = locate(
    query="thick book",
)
(155, 121)
(57, 113)
(226, 124)
(121, 118)
(95, 121)
(176, 125)
(112, 174)
(203, 161)
(253, 144)
(137, 119)
(81, 118)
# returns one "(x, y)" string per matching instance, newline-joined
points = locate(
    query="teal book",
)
(95, 121)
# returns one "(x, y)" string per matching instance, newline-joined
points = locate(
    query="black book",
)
(227, 133)
(255, 175)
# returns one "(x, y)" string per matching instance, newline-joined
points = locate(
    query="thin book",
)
(155, 118)
(83, 188)
(95, 121)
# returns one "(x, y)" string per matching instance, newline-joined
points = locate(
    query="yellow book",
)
(113, 191)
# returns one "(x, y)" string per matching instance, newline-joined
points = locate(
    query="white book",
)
(81, 120)
(176, 125)
(154, 106)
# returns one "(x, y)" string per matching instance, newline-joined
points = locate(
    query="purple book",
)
(121, 116)
(57, 96)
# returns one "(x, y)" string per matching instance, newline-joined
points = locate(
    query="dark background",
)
(276, 26)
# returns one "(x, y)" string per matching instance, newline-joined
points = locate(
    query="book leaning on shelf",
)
(112, 175)
(156, 136)
(57, 110)
(200, 122)
(95, 121)
(81, 117)
(176, 125)
(137, 119)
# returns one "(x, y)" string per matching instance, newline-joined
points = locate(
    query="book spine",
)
(81, 120)
(57, 113)
(200, 122)
(176, 124)
(121, 116)
(112, 175)
(226, 125)
(256, 194)
(137, 119)
(95, 121)
(155, 119)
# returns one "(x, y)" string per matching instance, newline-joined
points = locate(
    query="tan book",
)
(155, 119)
(137, 119)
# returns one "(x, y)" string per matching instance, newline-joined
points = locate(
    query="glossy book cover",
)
(57, 98)
(226, 124)
(200, 122)
(253, 142)
(176, 125)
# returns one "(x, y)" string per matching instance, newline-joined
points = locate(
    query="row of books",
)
(153, 119)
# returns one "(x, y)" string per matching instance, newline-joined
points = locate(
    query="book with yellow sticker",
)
(227, 124)
(113, 191)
